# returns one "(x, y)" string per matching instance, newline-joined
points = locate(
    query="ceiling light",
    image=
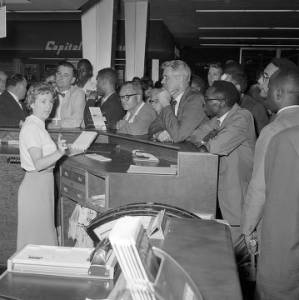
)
(248, 45)
(233, 28)
(246, 38)
(248, 28)
(247, 10)
(7, 2)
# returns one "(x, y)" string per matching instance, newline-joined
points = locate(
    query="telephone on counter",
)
(142, 158)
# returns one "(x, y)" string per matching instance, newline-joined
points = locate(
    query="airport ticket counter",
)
(202, 248)
(103, 185)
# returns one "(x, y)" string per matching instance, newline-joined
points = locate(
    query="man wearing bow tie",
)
(182, 105)
(12, 110)
(71, 99)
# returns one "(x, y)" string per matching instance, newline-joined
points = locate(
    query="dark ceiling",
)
(196, 23)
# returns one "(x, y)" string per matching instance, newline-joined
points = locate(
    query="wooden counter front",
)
(104, 185)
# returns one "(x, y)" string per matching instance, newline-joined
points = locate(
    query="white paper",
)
(97, 118)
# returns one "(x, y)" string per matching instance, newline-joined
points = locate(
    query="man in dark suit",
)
(182, 105)
(12, 110)
(258, 110)
(278, 263)
(109, 102)
(230, 134)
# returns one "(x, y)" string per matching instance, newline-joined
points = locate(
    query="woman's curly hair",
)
(39, 88)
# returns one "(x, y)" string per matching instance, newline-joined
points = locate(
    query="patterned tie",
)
(173, 103)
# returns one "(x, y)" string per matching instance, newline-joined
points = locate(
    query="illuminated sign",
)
(54, 46)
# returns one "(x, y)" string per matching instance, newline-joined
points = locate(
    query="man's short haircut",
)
(178, 65)
(227, 90)
(14, 79)
(291, 77)
(135, 85)
(199, 82)
(233, 67)
(108, 74)
(68, 64)
(284, 64)
(3, 72)
(216, 65)
(87, 63)
(240, 79)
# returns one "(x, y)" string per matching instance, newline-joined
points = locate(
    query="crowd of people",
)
(254, 130)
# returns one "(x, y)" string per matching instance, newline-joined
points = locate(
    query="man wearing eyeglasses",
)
(139, 115)
(230, 134)
(182, 105)
(283, 91)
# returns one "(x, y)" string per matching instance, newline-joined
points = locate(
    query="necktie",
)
(173, 104)
(61, 94)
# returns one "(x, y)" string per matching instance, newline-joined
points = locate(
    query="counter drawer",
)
(65, 172)
(80, 178)
(73, 184)
(71, 192)
(73, 174)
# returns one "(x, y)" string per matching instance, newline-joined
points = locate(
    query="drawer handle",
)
(65, 189)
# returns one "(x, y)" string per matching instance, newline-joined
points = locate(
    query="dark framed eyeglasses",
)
(214, 99)
(127, 97)
(151, 101)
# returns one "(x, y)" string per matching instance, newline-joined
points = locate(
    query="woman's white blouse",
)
(34, 134)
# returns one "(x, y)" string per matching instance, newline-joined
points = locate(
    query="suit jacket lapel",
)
(235, 108)
(183, 101)
(14, 102)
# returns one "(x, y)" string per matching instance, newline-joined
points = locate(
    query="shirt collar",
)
(37, 121)
(64, 92)
(221, 119)
(287, 107)
(178, 98)
(106, 97)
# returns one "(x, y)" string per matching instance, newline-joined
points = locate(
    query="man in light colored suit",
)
(139, 115)
(182, 105)
(278, 263)
(283, 92)
(71, 99)
(230, 134)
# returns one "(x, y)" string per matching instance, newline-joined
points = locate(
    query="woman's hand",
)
(61, 144)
